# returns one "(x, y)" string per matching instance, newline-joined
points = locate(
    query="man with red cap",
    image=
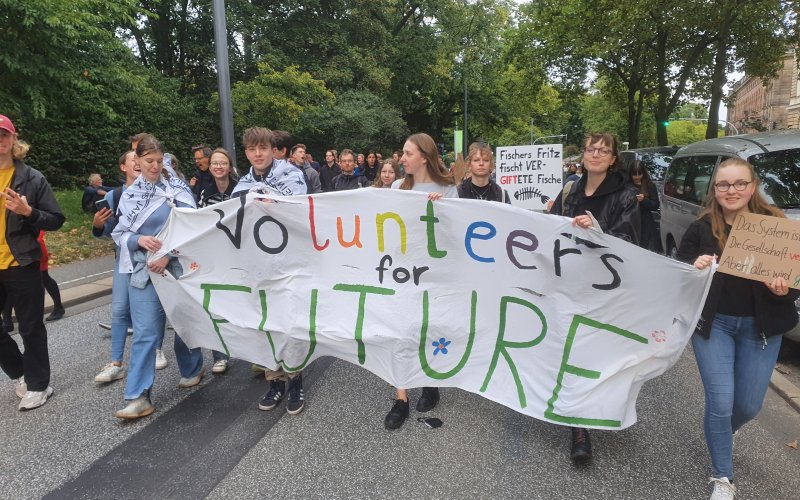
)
(27, 206)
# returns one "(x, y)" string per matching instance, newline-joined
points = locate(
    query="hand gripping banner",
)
(556, 322)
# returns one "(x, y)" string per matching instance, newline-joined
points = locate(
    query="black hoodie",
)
(614, 206)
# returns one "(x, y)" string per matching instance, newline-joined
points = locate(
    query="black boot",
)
(581, 446)
(56, 314)
(397, 415)
(428, 400)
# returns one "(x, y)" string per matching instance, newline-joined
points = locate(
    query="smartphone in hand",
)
(101, 204)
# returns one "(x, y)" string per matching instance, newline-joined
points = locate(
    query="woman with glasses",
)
(647, 197)
(225, 178)
(738, 337)
(601, 197)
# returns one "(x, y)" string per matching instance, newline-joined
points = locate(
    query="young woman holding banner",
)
(738, 337)
(424, 172)
(144, 211)
(601, 195)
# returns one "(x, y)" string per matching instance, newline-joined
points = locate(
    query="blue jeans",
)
(149, 321)
(735, 367)
(120, 313)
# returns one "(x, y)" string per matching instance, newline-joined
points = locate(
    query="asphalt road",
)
(212, 441)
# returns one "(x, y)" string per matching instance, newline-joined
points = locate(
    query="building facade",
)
(757, 106)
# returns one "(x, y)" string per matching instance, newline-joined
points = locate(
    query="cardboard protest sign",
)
(559, 323)
(761, 248)
(532, 175)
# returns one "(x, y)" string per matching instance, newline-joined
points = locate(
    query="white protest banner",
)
(762, 248)
(532, 175)
(483, 296)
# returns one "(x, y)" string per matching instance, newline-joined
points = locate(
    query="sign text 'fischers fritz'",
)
(532, 175)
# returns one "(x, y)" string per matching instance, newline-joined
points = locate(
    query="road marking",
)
(85, 277)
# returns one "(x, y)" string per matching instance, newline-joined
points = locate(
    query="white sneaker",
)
(110, 373)
(185, 383)
(136, 408)
(20, 387)
(723, 489)
(220, 366)
(161, 360)
(34, 399)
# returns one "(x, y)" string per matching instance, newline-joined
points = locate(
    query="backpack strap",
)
(564, 194)
(116, 194)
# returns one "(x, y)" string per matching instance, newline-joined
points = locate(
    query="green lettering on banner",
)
(362, 291)
(423, 341)
(430, 224)
(577, 321)
(502, 345)
(207, 289)
(312, 331)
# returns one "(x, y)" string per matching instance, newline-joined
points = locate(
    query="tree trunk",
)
(720, 64)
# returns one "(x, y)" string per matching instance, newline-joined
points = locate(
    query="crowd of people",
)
(742, 320)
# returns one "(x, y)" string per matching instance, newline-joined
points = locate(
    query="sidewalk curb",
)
(786, 389)
(80, 294)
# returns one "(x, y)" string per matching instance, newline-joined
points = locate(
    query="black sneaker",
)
(428, 400)
(277, 389)
(56, 314)
(397, 415)
(581, 446)
(296, 400)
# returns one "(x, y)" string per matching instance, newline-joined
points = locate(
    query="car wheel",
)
(672, 250)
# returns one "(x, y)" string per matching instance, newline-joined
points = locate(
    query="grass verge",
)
(74, 241)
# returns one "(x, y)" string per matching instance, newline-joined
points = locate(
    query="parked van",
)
(775, 157)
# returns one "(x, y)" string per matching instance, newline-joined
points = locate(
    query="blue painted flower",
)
(440, 345)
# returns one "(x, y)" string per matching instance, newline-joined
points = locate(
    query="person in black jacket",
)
(648, 203)
(738, 337)
(480, 186)
(27, 206)
(329, 170)
(349, 178)
(202, 179)
(602, 195)
(371, 167)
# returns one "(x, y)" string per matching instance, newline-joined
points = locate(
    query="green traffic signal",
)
(665, 123)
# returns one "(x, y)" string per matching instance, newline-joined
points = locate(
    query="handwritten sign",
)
(520, 307)
(532, 175)
(761, 248)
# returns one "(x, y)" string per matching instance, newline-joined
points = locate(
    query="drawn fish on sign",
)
(530, 192)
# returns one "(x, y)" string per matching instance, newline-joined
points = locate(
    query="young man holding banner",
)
(270, 175)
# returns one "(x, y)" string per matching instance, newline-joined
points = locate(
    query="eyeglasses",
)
(600, 151)
(219, 163)
(723, 187)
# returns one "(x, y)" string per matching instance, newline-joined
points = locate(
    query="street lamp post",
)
(223, 77)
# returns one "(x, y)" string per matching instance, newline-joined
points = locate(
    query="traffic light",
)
(665, 123)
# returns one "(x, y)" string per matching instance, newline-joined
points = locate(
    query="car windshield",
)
(779, 172)
(656, 164)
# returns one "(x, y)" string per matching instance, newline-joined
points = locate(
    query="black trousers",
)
(23, 286)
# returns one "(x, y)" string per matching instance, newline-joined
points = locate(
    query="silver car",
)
(775, 157)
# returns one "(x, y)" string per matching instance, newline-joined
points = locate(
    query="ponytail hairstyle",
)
(436, 169)
(20, 150)
(756, 205)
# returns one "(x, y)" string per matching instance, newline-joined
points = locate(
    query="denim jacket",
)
(140, 275)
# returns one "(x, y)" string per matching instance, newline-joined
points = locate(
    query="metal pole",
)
(531, 130)
(465, 144)
(223, 78)
(548, 137)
